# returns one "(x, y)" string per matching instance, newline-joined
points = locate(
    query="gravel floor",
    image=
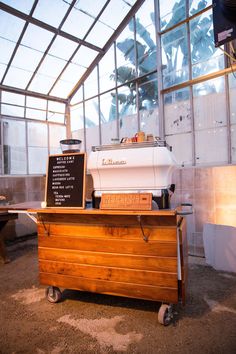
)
(92, 323)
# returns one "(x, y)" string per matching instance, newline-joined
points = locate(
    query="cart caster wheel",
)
(165, 315)
(53, 294)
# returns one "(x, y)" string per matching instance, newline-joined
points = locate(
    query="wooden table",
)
(138, 254)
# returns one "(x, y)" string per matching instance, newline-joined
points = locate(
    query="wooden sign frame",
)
(126, 201)
(65, 181)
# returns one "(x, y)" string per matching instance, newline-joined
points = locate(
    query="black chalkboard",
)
(65, 185)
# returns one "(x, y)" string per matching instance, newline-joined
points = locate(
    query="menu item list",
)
(65, 180)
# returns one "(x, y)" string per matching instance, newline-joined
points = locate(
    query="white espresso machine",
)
(133, 168)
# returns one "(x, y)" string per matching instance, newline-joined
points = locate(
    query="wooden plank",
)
(139, 291)
(114, 245)
(124, 275)
(108, 232)
(109, 220)
(126, 201)
(165, 264)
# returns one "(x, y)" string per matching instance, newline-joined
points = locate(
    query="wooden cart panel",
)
(106, 253)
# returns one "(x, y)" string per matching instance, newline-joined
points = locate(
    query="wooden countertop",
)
(92, 211)
(35, 207)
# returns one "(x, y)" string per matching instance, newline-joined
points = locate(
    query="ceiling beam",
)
(47, 27)
(32, 94)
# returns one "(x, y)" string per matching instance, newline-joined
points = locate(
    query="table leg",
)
(3, 253)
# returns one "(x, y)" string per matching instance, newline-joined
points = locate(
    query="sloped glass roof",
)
(47, 48)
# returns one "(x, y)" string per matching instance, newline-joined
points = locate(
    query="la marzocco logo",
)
(113, 162)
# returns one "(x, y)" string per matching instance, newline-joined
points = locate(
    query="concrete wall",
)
(211, 190)
(19, 189)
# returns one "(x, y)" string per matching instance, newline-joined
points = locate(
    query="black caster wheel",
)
(53, 294)
(165, 315)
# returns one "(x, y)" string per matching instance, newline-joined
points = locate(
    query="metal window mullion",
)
(99, 107)
(68, 121)
(26, 140)
(85, 141)
(193, 140)
(229, 142)
(136, 72)
(159, 72)
(116, 90)
(48, 137)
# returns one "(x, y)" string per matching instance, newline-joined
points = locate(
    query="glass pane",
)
(209, 104)
(62, 48)
(34, 102)
(10, 26)
(13, 111)
(26, 59)
(77, 124)
(47, 74)
(84, 56)
(35, 114)
(13, 98)
(17, 77)
(233, 143)
(34, 32)
(56, 133)
(52, 66)
(146, 38)
(91, 85)
(56, 112)
(148, 106)
(77, 117)
(90, 7)
(37, 134)
(126, 101)
(211, 146)
(56, 107)
(76, 17)
(5, 54)
(181, 147)
(128, 121)
(52, 14)
(125, 53)
(2, 70)
(92, 123)
(108, 118)
(232, 97)
(78, 97)
(172, 12)
(175, 56)
(67, 81)
(41, 83)
(38, 158)
(106, 71)
(196, 5)
(100, 34)
(14, 140)
(205, 57)
(115, 13)
(177, 112)
(24, 6)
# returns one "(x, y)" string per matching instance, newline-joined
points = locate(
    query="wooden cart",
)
(140, 254)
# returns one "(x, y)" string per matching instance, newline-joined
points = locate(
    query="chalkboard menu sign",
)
(65, 186)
